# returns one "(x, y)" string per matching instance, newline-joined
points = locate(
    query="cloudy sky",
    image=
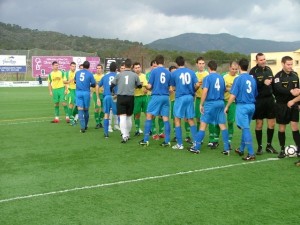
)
(148, 20)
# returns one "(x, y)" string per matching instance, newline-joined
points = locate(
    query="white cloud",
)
(147, 21)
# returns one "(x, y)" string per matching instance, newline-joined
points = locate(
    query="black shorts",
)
(125, 104)
(284, 114)
(264, 108)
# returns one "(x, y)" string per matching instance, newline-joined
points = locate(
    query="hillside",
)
(194, 42)
(16, 37)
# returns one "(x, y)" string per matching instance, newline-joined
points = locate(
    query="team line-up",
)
(214, 100)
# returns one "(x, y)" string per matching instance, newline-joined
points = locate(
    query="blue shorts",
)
(214, 112)
(159, 105)
(83, 99)
(243, 115)
(184, 107)
(109, 104)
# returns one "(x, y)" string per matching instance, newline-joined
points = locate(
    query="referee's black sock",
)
(296, 137)
(281, 137)
(270, 133)
(258, 134)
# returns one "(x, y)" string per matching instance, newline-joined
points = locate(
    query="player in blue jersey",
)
(244, 92)
(185, 82)
(84, 79)
(159, 105)
(212, 107)
(108, 101)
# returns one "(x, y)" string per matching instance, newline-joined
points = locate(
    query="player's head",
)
(160, 60)
(86, 65)
(260, 59)
(55, 65)
(287, 64)
(212, 65)
(128, 63)
(113, 67)
(137, 67)
(172, 68)
(180, 61)
(233, 68)
(73, 66)
(81, 66)
(200, 63)
(122, 67)
(244, 64)
(153, 64)
(99, 69)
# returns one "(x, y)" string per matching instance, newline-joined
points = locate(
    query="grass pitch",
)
(53, 174)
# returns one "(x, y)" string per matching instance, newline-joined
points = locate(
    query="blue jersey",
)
(216, 87)
(184, 80)
(106, 82)
(244, 89)
(84, 79)
(160, 80)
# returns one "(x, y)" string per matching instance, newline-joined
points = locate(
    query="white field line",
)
(23, 122)
(132, 181)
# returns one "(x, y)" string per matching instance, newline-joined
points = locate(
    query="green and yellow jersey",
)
(228, 83)
(144, 82)
(70, 75)
(98, 77)
(56, 79)
(200, 76)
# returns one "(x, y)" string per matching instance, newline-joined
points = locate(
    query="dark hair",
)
(54, 62)
(86, 64)
(259, 54)
(244, 64)
(81, 65)
(100, 66)
(113, 67)
(286, 58)
(72, 63)
(180, 61)
(172, 68)
(212, 65)
(128, 63)
(199, 59)
(152, 62)
(136, 64)
(159, 59)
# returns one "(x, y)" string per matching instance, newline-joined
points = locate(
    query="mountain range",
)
(195, 42)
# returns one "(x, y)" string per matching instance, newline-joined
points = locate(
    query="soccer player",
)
(286, 87)
(126, 81)
(159, 104)
(265, 103)
(84, 79)
(108, 102)
(70, 75)
(58, 90)
(98, 113)
(212, 107)
(244, 92)
(154, 133)
(229, 79)
(140, 98)
(185, 82)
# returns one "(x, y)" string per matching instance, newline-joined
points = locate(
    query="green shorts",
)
(59, 95)
(231, 112)
(71, 96)
(197, 108)
(95, 100)
(140, 104)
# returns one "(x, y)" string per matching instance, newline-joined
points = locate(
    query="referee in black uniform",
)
(265, 103)
(286, 87)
